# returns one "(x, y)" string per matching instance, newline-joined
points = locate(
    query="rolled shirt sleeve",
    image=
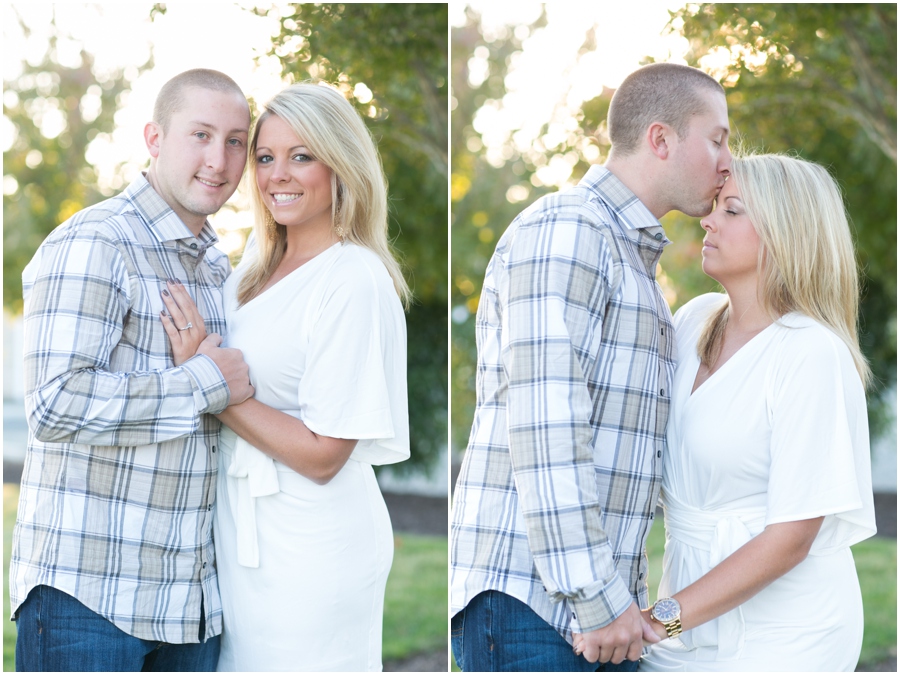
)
(80, 299)
(558, 486)
(557, 294)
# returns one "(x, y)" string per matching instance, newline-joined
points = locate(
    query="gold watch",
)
(667, 611)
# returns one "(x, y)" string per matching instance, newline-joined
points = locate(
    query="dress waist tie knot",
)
(719, 533)
(251, 474)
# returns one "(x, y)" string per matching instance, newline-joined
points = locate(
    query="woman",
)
(303, 537)
(767, 481)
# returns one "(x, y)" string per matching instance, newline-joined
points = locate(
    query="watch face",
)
(666, 610)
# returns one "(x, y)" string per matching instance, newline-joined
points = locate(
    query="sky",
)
(549, 81)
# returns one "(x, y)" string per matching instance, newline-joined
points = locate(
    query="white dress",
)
(302, 567)
(779, 433)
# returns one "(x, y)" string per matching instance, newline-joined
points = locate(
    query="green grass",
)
(10, 504)
(876, 564)
(415, 605)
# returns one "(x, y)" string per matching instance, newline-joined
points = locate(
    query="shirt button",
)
(641, 575)
(658, 236)
(662, 392)
(659, 453)
(194, 246)
(213, 448)
(204, 565)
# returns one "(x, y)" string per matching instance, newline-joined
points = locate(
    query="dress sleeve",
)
(820, 446)
(354, 385)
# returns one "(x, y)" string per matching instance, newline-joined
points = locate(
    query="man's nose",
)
(725, 164)
(215, 157)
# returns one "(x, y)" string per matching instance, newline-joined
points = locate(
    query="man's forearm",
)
(98, 407)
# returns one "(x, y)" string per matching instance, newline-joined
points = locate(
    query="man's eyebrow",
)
(200, 123)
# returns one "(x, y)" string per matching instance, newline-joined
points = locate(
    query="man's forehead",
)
(198, 105)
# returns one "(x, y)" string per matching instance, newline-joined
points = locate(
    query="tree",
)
(390, 61)
(821, 81)
(56, 112)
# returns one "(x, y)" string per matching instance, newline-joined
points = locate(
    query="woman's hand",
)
(183, 323)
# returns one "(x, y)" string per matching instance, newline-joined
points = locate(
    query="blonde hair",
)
(659, 92)
(335, 135)
(806, 260)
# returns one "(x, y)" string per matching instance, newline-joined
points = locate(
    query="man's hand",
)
(230, 363)
(622, 639)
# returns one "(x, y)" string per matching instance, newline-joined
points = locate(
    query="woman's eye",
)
(301, 157)
(202, 135)
(263, 159)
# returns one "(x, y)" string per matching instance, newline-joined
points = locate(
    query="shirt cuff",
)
(600, 604)
(211, 394)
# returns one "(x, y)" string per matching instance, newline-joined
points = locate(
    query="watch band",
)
(673, 627)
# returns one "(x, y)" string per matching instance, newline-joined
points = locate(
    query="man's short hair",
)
(660, 92)
(171, 97)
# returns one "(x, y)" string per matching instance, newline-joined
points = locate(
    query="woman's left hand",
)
(183, 324)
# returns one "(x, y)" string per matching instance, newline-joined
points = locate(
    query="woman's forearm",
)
(773, 553)
(288, 440)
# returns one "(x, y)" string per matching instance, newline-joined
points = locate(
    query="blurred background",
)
(530, 88)
(79, 82)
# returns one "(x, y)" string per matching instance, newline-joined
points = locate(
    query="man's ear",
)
(152, 136)
(659, 136)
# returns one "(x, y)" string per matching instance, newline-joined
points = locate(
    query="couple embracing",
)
(187, 505)
(745, 415)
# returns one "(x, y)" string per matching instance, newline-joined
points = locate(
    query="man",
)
(575, 358)
(113, 565)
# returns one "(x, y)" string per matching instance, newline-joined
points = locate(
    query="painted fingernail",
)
(165, 292)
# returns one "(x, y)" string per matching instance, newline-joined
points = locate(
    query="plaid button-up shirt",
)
(118, 487)
(575, 360)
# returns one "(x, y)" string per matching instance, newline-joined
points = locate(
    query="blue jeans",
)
(58, 633)
(497, 633)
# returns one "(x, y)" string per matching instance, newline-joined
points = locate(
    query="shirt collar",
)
(161, 220)
(611, 190)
